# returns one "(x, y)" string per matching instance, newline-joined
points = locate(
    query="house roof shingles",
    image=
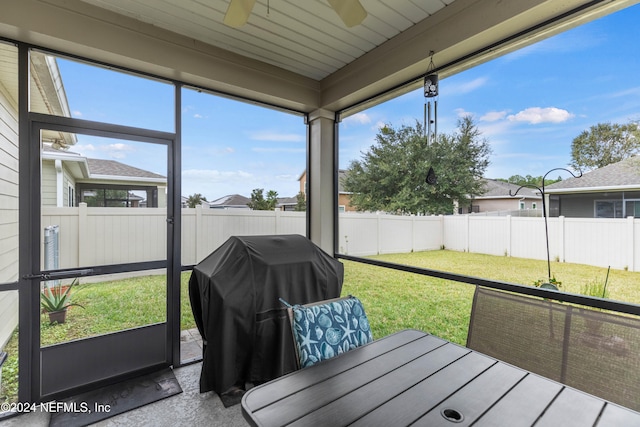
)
(497, 189)
(231, 200)
(625, 173)
(113, 168)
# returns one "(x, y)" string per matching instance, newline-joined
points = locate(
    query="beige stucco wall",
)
(492, 205)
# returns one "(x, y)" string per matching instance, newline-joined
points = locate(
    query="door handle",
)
(54, 274)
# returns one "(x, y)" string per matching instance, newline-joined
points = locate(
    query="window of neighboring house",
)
(632, 208)
(608, 209)
(71, 197)
(117, 197)
(521, 205)
(342, 209)
(534, 205)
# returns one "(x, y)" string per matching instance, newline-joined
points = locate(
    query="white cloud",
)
(464, 87)
(81, 148)
(461, 112)
(493, 116)
(117, 150)
(278, 150)
(535, 115)
(211, 175)
(198, 116)
(76, 113)
(276, 136)
(358, 118)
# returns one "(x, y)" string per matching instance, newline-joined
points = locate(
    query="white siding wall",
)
(49, 183)
(8, 213)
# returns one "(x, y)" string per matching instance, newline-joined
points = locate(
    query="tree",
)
(258, 201)
(391, 177)
(528, 181)
(195, 200)
(301, 202)
(603, 144)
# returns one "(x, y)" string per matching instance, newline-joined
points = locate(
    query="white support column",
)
(320, 179)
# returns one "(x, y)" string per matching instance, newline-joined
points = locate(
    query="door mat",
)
(98, 405)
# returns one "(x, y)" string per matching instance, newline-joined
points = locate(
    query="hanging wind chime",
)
(431, 91)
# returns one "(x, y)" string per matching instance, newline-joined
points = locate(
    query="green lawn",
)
(394, 300)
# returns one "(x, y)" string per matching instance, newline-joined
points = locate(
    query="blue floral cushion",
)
(324, 330)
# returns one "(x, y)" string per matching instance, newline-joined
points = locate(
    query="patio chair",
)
(325, 329)
(591, 350)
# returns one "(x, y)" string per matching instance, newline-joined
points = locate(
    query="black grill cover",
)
(234, 298)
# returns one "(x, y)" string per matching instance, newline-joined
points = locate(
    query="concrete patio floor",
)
(189, 408)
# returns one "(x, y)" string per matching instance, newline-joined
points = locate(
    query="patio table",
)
(413, 378)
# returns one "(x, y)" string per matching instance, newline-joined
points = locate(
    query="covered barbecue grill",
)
(234, 295)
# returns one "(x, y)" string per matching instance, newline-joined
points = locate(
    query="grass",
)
(394, 300)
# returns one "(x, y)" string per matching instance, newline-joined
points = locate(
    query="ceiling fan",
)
(350, 11)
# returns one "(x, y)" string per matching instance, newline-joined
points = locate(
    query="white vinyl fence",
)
(592, 241)
(99, 236)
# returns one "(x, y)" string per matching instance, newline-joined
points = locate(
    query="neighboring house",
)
(344, 197)
(497, 196)
(232, 201)
(287, 203)
(69, 178)
(612, 191)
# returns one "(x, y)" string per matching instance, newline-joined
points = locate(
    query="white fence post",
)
(631, 255)
(413, 233)
(562, 239)
(83, 245)
(468, 237)
(509, 243)
(378, 230)
(197, 232)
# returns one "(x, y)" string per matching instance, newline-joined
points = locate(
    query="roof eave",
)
(600, 189)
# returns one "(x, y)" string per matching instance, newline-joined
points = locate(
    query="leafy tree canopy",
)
(391, 176)
(603, 144)
(301, 202)
(195, 200)
(529, 181)
(260, 203)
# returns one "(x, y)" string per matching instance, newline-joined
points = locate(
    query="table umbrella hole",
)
(452, 415)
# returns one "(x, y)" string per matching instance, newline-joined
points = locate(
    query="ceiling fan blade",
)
(350, 11)
(238, 12)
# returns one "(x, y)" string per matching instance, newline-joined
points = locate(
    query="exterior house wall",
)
(492, 205)
(345, 200)
(68, 181)
(49, 181)
(8, 213)
(583, 205)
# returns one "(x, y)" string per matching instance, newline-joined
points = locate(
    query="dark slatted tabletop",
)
(412, 378)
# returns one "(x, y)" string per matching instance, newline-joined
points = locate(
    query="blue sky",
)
(529, 105)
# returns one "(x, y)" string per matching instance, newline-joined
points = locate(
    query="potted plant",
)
(56, 300)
